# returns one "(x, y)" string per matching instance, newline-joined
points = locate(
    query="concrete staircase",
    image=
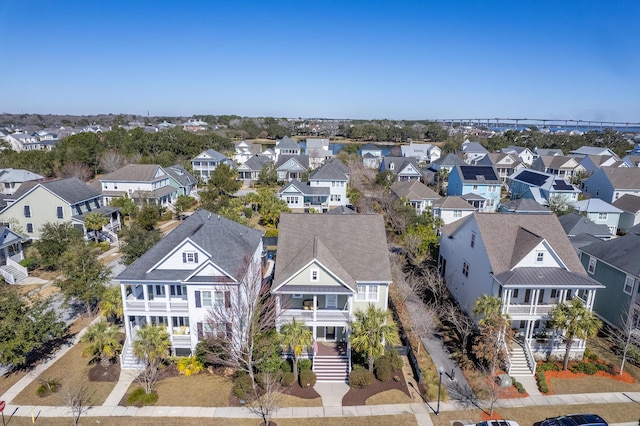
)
(15, 274)
(519, 364)
(128, 361)
(331, 368)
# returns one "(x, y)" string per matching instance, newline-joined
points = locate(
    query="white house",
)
(417, 194)
(423, 152)
(140, 182)
(206, 162)
(206, 263)
(335, 176)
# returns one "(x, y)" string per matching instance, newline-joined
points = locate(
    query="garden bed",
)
(360, 396)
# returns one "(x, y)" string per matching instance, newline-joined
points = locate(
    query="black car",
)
(576, 420)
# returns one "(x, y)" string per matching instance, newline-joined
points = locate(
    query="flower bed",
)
(614, 373)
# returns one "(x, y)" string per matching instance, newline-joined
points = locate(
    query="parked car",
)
(575, 420)
(496, 423)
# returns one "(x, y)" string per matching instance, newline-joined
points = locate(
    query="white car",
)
(495, 423)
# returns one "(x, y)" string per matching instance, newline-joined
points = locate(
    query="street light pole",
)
(440, 370)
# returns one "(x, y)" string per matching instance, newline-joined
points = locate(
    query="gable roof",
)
(134, 173)
(400, 163)
(305, 189)
(595, 205)
(628, 203)
(516, 149)
(328, 171)
(287, 143)
(449, 160)
(18, 175)
(227, 242)
(525, 205)
(212, 154)
(181, 175)
(622, 253)
(548, 151)
(574, 224)
(622, 177)
(505, 236)
(453, 202)
(484, 175)
(302, 160)
(72, 190)
(592, 150)
(414, 190)
(353, 247)
(475, 147)
(370, 147)
(255, 163)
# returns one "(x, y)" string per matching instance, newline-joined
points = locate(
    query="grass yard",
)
(404, 419)
(612, 413)
(393, 396)
(294, 401)
(69, 370)
(590, 384)
(201, 390)
(602, 347)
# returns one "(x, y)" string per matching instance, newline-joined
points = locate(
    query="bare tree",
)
(267, 398)
(111, 161)
(75, 169)
(490, 390)
(76, 397)
(460, 323)
(626, 333)
(240, 319)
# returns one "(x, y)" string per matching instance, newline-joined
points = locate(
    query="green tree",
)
(385, 179)
(126, 205)
(487, 307)
(94, 221)
(151, 345)
(103, 342)
(55, 239)
(136, 240)
(182, 204)
(371, 332)
(111, 304)
(147, 217)
(296, 336)
(268, 176)
(224, 179)
(84, 276)
(576, 321)
(270, 206)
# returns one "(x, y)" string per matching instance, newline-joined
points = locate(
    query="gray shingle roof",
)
(621, 253)
(255, 163)
(453, 202)
(341, 210)
(72, 190)
(449, 160)
(328, 171)
(595, 205)
(354, 247)
(287, 143)
(574, 224)
(18, 175)
(180, 174)
(414, 190)
(623, 177)
(303, 160)
(305, 188)
(227, 242)
(133, 173)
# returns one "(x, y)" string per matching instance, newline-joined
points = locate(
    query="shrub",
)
(602, 367)
(247, 212)
(590, 355)
(383, 370)
(271, 232)
(241, 384)
(189, 365)
(519, 387)
(139, 397)
(395, 359)
(287, 379)
(360, 378)
(286, 366)
(47, 387)
(304, 364)
(548, 366)
(542, 382)
(307, 378)
(30, 263)
(584, 367)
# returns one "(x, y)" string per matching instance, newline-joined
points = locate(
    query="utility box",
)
(505, 381)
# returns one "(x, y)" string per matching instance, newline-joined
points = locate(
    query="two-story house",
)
(250, 170)
(611, 183)
(523, 153)
(417, 194)
(142, 183)
(185, 182)
(291, 167)
(11, 179)
(318, 151)
(591, 163)
(528, 262)
(207, 263)
(423, 152)
(600, 212)
(563, 167)
(65, 200)
(245, 150)
(478, 182)
(452, 208)
(371, 155)
(523, 206)
(541, 187)
(286, 146)
(404, 168)
(335, 176)
(614, 263)
(206, 162)
(303, 198)
(328, 267)
(10, 256)
(472, 151)
(630, 206)
(505, 163)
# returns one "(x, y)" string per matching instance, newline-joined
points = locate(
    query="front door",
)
(331, 301)
(330, 334)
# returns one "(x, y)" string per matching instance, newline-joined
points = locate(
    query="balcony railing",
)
(530, 310)
(318, 315)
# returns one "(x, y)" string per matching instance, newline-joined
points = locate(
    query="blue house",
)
(541, 187)
(480, 183)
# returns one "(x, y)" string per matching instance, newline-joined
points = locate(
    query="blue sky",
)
(337, 59)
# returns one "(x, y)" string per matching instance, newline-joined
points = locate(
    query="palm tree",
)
(296, 335)
(104, 342)
(151, 345)
(370, 333)
(111, 303)
(577, 322)
(94, 222)
(487, 307)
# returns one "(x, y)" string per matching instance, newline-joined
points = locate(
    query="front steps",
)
(331, 368)
(519, 365)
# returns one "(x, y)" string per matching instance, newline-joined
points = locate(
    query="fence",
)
(406, 349)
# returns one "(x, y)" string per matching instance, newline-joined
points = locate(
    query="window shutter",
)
(200, 331)
(184, 257)
(198, 301)
(195, 257)
(172, 290)
(227, 299)
(228, 329)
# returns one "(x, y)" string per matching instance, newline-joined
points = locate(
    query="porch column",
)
(145, 293)
(315, 309)
(527, 332)
(563, 296)
(123, 295)
(167, 297)
(20, 250)
(506, 301)
(278, 313)
(590, 298)
(533, 301)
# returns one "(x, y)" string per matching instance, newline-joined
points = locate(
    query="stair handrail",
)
(19, 267)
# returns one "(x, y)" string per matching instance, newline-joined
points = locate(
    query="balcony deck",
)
(321, 315)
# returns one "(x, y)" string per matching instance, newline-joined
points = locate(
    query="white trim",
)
(175, 250)
(321, 266)
(624, 286)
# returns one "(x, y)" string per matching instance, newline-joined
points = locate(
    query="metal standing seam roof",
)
(541, 277)
(595, 205)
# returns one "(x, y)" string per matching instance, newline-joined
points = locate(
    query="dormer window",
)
(315, 275)
(391, 166)
(539, 256)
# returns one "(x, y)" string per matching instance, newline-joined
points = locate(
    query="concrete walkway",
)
(331, 393)
(456, 384)
(120, 389)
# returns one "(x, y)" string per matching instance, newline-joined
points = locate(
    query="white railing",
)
(18, 266)
(529, 356)
(326, 315)
(529, 309)
(8, 277)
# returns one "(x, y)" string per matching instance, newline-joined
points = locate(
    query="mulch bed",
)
(305, 393)
(360, 396)
(98, 373)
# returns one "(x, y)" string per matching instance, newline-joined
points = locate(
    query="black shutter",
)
(172, 290)
(228, 329)
(227, 299)
(200, 330)
(184, 257)
(198, 301)
(195, 257)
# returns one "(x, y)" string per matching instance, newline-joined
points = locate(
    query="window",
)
(628, 285)
(206, 298)
(367, 293)
(465, 269)
(492, 188)
(473, 239)
(30, 228)
(514, 293)
(297, 296)
(392, 166)
(27, 211)
(592, 265)
(189, 257)
(475, 187)
(602, 216)
(180, 321)
(177, 290)
(457, 213)
(159, 290)
(554, 293)
(218, 299)
(59, 212)
(336, 197)
(540, 256)
(315, 275)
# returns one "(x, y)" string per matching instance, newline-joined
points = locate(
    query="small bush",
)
(166, 216)
(395, 359)
(247, 212)
(189, 365)
(286, 366)
(360, 379)
(542, 382)
(548, 366)
(602, 367)
(519, 387)
(383, 370)
(139, 397)
(47, 387)
(241, 385)
(287, 379)
(307, 378)
(271, 232)
(588, 354)
(304, 364)
(584, 367)
(30, 263)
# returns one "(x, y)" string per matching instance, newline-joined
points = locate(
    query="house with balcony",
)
(478, 184)
(318, 151)
(452, 208)
(506, 164)
(335, 176)
(528, 262)
(472, 151)
(524, 154)
(291, 167)
(287, 146)
(303, 198)
(328, 267)
(207, 263)
(10, 256)
(142, 183)
(611, 183)
(245, 150)
(630, 206)
(371, 155)
(423, 152)
(405, 169)
(563, 167)
(615, 265)
(64, 200)
(249, 171)
(417, 195)
(206, 162)
(543, 188)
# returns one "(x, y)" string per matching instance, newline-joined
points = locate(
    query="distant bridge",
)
(541, 123)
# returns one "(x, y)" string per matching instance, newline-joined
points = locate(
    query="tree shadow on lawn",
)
(360, 396)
